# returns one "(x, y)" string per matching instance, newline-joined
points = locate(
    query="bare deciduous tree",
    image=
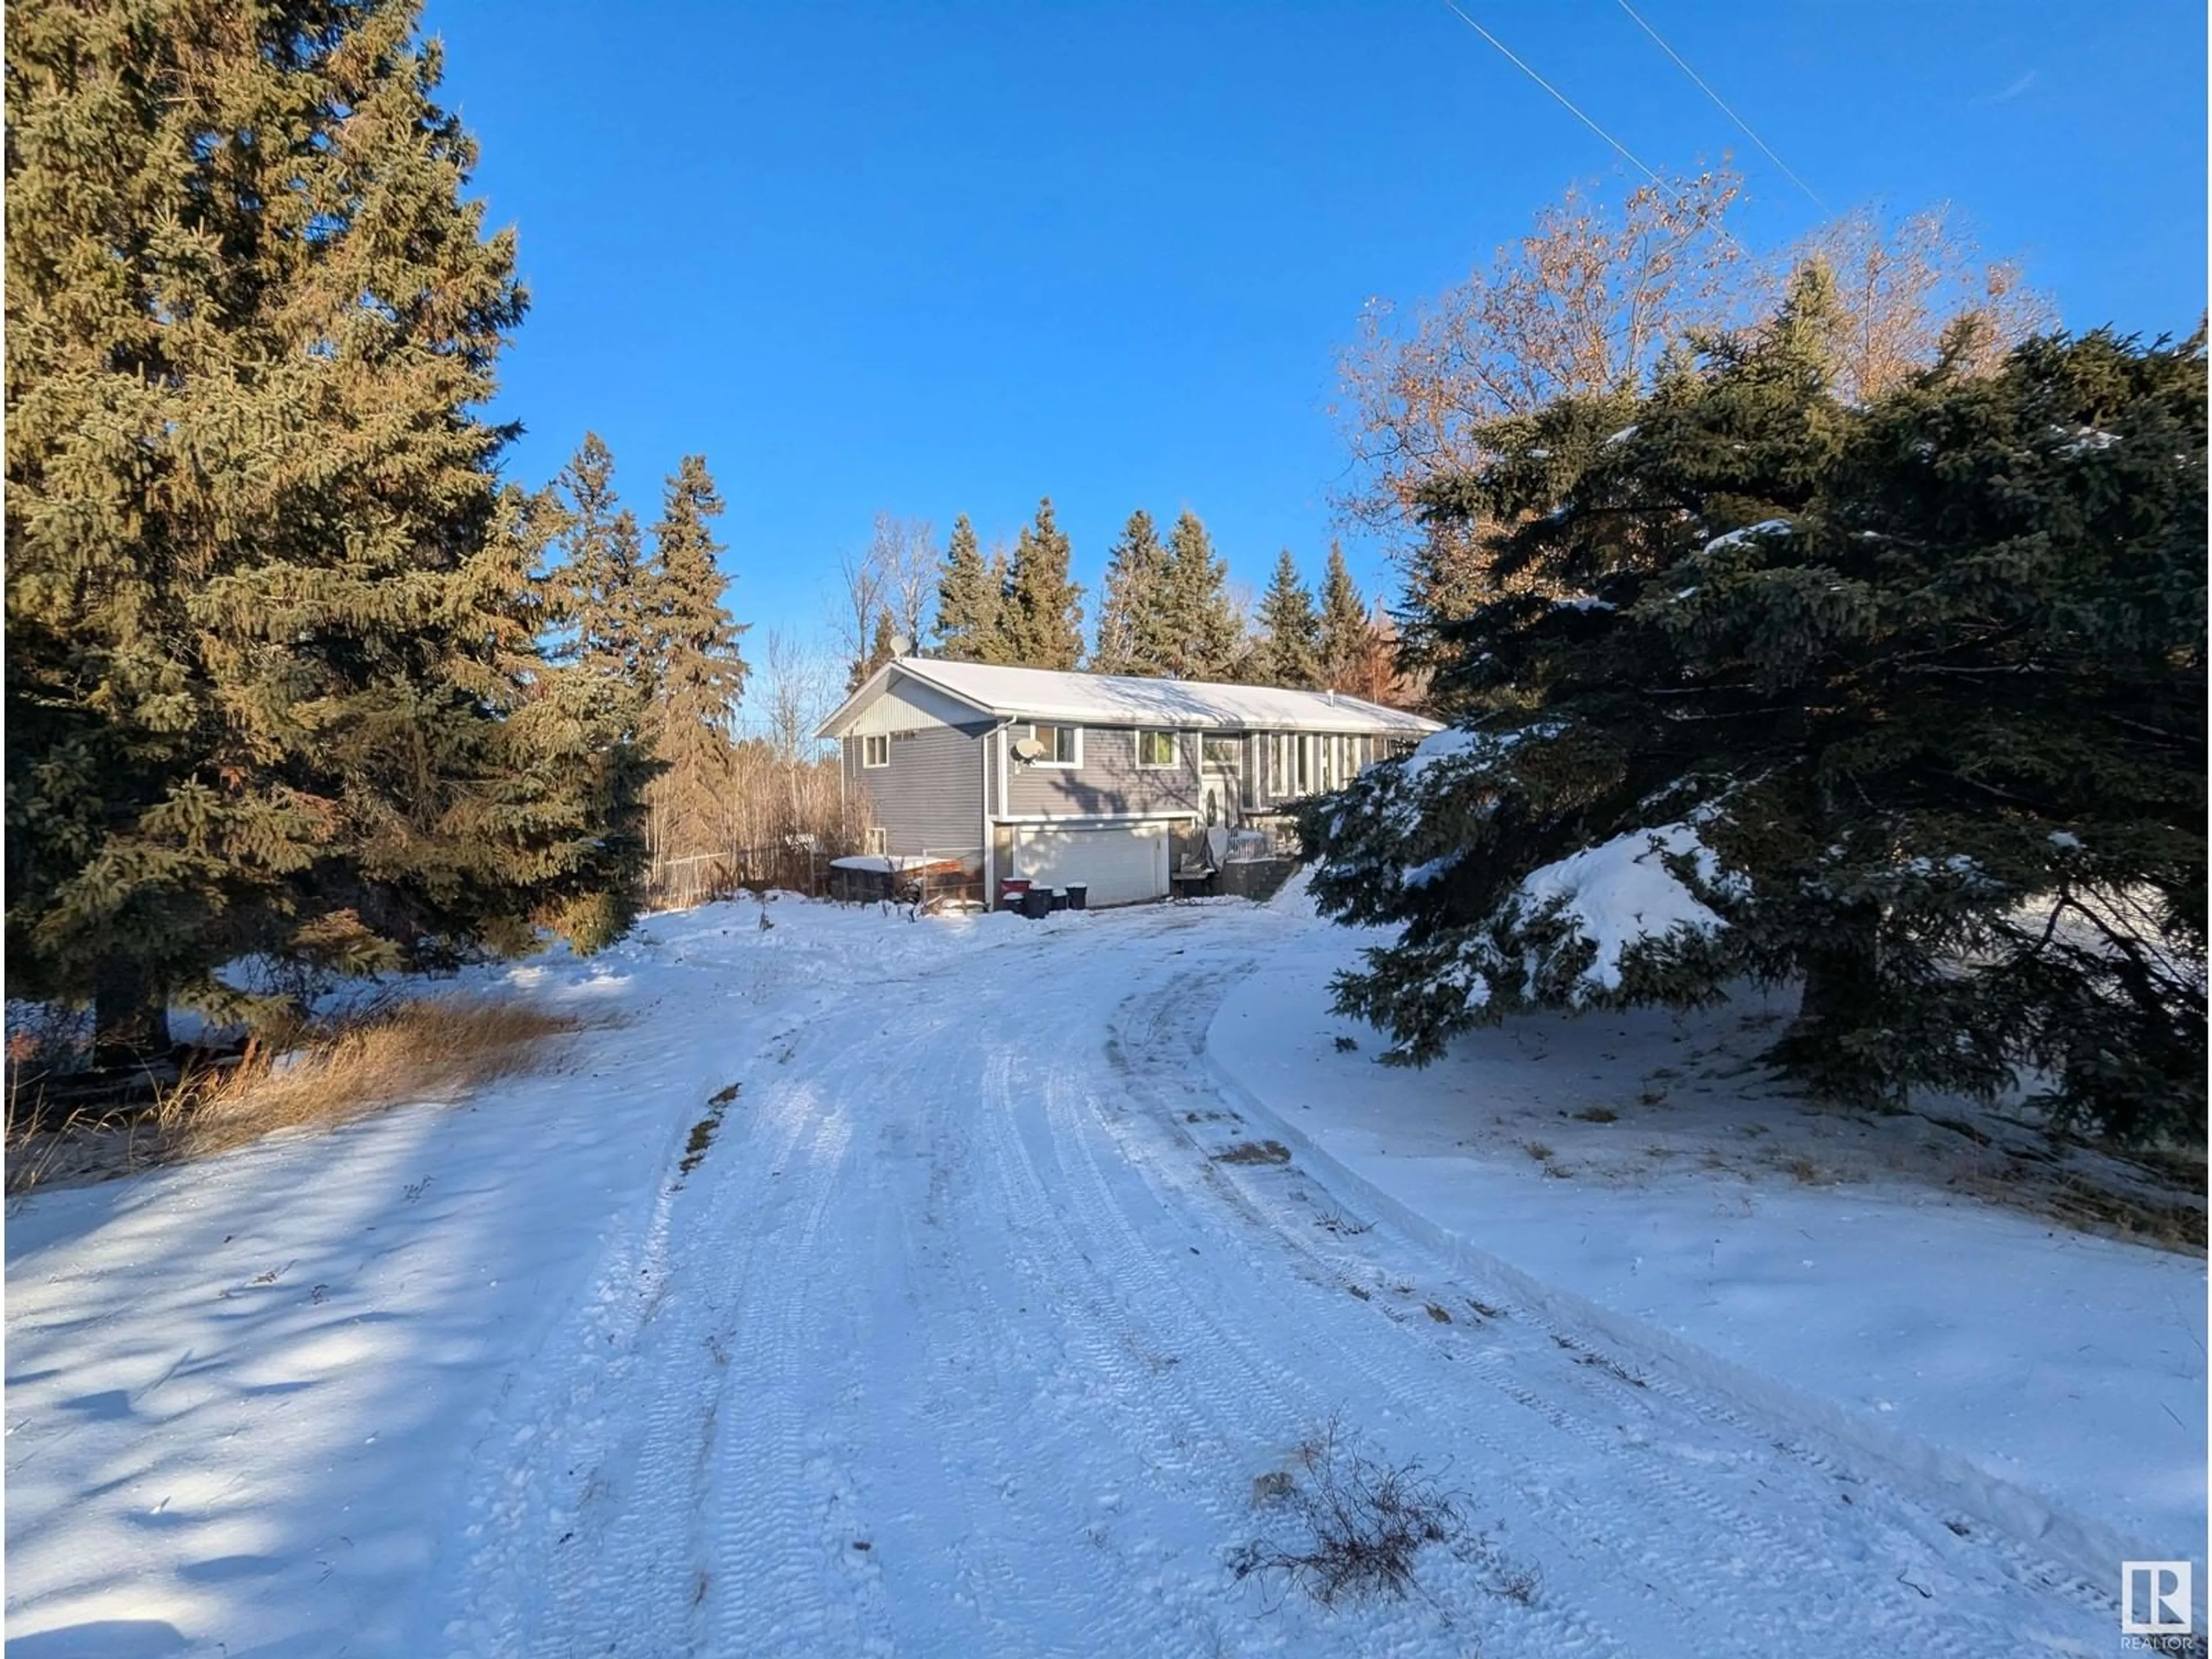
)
(884, 592)
(856, 604)
(1587, 302)
(797, 691)
(904, 553)
(1584, 303)
(1900, 285)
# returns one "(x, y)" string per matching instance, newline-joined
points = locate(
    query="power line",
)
(1564, 102)
(1764, 147)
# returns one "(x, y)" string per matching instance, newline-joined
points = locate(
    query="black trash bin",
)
(1079, 896)
(1060, 898)
(1036, 902)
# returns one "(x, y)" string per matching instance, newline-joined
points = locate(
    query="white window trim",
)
(1173, 762)
(876, 841)
(867, 742)
(1075, 765)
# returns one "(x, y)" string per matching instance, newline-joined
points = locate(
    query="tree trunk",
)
(1842, 998)
(131, 1014)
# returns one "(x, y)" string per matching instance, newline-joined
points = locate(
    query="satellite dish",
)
(901, 646)
(1028, 749)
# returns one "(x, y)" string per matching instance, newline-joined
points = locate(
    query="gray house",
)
(1107, 780)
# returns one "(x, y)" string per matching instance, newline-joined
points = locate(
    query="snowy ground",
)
(949, 1334)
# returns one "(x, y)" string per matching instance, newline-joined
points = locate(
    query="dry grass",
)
(438, 1049)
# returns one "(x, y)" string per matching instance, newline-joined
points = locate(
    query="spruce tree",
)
(272, 683)
(1133, 607)
(998, 579)
(1344, 625)
(596, 591)
(1043, 612)
(883, 647)
(1903, 703)
(968, 600)
(575, 761)
(1288, 652)
(1201, 636)
(698, 672)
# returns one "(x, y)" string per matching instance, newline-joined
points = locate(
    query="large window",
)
(1156, 749)
(1062, 744)
(875, 750)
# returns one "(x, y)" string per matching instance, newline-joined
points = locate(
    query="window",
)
(1062, 744)
(1219, 750)
(879, 840)
(875, 750)
(1156, 749)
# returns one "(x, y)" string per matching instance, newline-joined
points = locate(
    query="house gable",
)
(902, 704)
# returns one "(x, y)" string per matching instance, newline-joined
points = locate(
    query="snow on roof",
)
(1043, 694)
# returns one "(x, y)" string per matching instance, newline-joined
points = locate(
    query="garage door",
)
(1122, 863)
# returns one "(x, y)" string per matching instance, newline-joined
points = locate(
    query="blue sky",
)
(937, 259)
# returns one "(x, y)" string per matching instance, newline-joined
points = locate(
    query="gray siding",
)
(1110, 782)
(930, 798)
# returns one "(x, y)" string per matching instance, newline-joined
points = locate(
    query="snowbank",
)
(2055, 1379)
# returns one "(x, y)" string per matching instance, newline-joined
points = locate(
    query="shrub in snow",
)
(1345, 1526)
(1904, 701)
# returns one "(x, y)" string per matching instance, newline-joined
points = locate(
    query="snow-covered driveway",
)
(955, 1338)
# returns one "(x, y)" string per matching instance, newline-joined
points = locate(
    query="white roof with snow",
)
(1049, 695)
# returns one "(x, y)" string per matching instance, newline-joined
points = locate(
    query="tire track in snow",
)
(981, 1301)
(1229, 1406)
(586, 1555)
(1826, 1537)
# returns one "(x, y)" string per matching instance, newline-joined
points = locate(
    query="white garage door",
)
(1122, 863)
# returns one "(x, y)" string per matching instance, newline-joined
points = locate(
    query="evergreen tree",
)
(697, 672)
(968, 600)
(998, 576)
(883, 647)
(1135, 603)
(1905, 703)
(1043, 612)
(575, 760)
(1344, 626)
(1201, 636)
(1289, 648)
(596, 591)
(270, 685)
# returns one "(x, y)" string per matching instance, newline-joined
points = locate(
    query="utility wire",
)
(1764, 147)
(1453, 8)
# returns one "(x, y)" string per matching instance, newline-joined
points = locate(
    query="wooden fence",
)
(678, 884)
